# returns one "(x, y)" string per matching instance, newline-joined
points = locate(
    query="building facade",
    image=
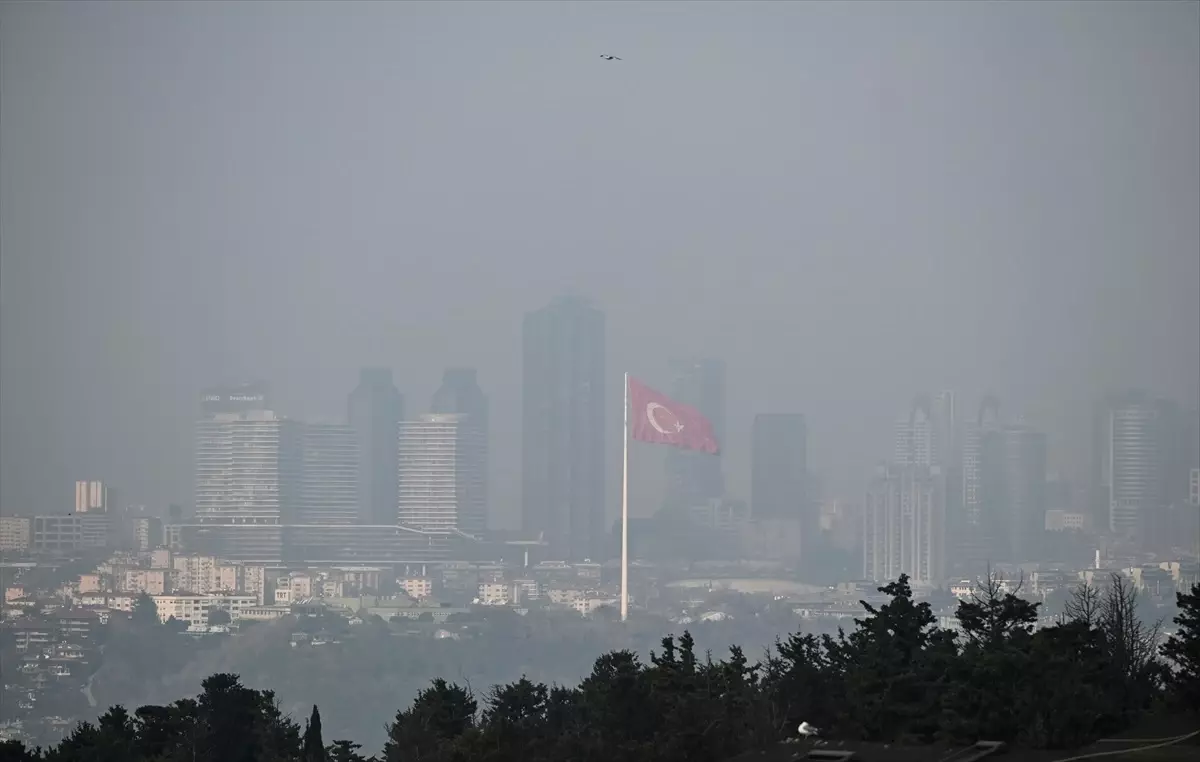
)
(329, 475)
(375, 410)
(441, 472)
(248, 468)
(563, 428)
(460, 394)
(903, 525)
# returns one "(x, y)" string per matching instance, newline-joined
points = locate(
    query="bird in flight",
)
(607, 57)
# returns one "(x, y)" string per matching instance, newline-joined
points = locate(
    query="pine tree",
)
(314, 747)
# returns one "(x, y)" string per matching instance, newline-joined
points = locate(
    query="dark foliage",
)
(896, 678)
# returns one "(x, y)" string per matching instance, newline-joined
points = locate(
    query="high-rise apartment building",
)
(563, 428)
(695, 478)
(329, 475)
(375, 411)
(915, 442)
(248, 468)
(95, 497)
(779, 488)
(460, 394)
(441, 475)
(903, 525)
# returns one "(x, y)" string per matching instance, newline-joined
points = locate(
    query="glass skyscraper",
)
(562, 449)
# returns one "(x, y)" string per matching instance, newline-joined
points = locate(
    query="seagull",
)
(807, 730)
(607, 57)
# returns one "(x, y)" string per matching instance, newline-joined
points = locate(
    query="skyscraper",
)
(441, 474)
(974, 537)
(915, 439)
(562, 444)
(778, 473)
(1025, 492)
(329, 481)
(248, 468)
(695, 478)
(375, 411)
(460, 394)
(902, 524)
(1133, 441)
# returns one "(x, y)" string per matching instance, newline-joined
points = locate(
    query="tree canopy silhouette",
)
(894, 678)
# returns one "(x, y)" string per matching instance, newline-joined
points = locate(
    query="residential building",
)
(416, 587)
(460, 394)
(95, 497)
(248, 468)
(149, 581)
(147, 533)
(903, 525)
(16, 533)
(441, 474)
(194, 609)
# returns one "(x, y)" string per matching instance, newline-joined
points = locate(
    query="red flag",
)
(658, 419)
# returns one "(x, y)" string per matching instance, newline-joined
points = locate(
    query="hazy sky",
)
(849, 203)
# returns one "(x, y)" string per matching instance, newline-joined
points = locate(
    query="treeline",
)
(895, 678)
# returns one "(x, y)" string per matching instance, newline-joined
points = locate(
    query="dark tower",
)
(562, 448)
(375, 411)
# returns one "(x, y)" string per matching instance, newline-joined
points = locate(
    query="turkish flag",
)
(656, 418)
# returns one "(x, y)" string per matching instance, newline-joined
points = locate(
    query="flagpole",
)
(625, 507)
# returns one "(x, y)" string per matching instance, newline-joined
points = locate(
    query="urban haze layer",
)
(317, 330)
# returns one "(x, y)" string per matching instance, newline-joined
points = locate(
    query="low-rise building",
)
(416, 587)
(193, 609)
(149, 581)
(495, 594)
(15, 533)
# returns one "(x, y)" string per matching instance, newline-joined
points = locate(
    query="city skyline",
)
(948, 220)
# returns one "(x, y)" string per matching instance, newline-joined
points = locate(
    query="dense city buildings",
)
(696, 478)
(563, 428)
(375, 410)
(442, 475)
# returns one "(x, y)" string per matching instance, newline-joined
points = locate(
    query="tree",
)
(218, 617)
(16, 751)
(440, 714)
(145, 612)
(1183, 650)
(344, 751)
(314, 747)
